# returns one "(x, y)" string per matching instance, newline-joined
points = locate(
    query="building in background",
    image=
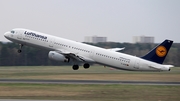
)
(143, 39)
(95, 39)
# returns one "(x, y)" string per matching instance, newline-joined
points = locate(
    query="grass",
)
(90, 92)
(93, 73)
(94, 92)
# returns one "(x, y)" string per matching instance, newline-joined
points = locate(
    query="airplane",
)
(64, 50)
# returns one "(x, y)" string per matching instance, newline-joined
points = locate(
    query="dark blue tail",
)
(158, 54)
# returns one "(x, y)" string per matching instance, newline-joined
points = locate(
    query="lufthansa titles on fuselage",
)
(35, 35)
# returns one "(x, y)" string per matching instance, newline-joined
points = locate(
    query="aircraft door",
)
(19, 35)
(136, 64)
(51, 42)
(91, 54)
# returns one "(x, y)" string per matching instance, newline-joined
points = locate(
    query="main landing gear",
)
(86, 65)
(20, 47)
(76, 67)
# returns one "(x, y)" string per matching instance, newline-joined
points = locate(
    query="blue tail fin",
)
(158, 54)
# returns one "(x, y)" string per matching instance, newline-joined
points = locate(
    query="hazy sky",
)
(119, 20)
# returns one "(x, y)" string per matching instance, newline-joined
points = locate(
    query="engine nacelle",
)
(57, 56)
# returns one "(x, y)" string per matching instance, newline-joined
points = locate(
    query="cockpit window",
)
(12, 31)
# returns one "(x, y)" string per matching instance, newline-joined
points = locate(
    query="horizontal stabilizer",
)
(168, 66)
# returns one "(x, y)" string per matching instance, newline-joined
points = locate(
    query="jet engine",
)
(58, 57)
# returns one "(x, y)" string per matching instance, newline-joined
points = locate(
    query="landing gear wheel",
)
(75, 67)
(19, 51)
(86, 65)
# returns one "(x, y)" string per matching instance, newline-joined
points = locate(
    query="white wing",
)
(74, 56)
(116, 49)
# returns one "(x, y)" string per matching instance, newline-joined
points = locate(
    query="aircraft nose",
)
(6, 34)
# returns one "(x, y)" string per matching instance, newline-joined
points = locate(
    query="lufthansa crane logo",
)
(161, 51)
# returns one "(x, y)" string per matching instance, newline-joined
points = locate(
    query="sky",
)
(118, 20)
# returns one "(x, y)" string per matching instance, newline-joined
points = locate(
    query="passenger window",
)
(12, 32)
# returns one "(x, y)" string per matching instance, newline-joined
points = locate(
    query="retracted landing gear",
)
(20, 47)
(75, 67)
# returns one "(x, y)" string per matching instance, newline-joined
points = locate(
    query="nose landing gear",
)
(20, 47)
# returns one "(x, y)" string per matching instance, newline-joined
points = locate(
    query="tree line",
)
(39, 57)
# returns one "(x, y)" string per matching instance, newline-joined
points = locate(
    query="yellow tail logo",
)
(161, 51)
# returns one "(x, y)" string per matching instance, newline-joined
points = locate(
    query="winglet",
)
(158, 54)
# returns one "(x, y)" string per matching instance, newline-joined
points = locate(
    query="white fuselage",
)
(98, 55)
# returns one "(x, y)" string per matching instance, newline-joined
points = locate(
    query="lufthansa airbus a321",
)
(65, 50)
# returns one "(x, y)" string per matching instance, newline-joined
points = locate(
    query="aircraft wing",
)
(116, 49)
(74, 56)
